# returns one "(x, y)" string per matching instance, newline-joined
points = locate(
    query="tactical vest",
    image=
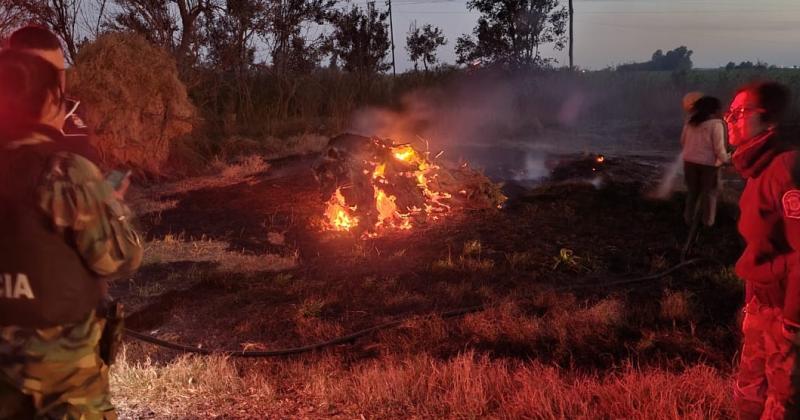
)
(43, 281)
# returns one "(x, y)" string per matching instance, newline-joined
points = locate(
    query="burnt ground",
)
(524, 257)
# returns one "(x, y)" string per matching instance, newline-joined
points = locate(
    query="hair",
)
(34, 37)
(26, 83)
(704, 109)
(772, 96)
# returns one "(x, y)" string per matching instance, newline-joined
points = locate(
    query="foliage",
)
(291, 51)
(748, 65)
(136, 104)
(510, 32)
(679, 59)
(421, 44)
(61, 16)
(11, 17)
(156, 21)
(361, 40)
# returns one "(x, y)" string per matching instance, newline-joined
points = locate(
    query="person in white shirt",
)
(704, 151)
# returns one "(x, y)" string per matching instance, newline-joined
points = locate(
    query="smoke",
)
(534, 168)
(508, 125)
(667, 185)
(453, 115)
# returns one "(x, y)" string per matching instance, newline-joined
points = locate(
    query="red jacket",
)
(770, 224)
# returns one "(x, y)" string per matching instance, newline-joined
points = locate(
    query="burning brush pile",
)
(372, 185)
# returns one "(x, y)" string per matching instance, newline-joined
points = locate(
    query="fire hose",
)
(391, 324)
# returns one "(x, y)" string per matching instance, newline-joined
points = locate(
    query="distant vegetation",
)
(299, 84)
(679, 59)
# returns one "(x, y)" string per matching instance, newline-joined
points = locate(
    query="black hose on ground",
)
(391, 324)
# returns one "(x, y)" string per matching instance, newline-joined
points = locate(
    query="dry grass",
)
(676, 306)
(173, 249)
(470, 260)
(474, 386)
(136, 104)
(468, 385)
(185, 388)
(158, 198)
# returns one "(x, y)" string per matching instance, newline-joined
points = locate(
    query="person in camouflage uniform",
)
(65, 230)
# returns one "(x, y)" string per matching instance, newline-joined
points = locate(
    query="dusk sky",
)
(610, 32)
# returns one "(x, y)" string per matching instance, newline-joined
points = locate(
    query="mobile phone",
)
(70, 106)
(117, 178)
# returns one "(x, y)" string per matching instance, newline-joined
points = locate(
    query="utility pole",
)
(391, 32)
(571, 35)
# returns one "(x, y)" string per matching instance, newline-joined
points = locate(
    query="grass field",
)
(239, 262)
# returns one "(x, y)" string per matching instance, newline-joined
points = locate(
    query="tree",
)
(422, 43)
(748, 65)
(511, 32)
(293, 52)
(61, 16)
(157, 21)
(11, 17)
(679, 59)
(290, 49)
(360, 39)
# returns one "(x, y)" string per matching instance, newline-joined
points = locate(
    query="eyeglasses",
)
(736, 114)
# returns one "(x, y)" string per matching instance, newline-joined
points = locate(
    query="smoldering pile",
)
(374, 184)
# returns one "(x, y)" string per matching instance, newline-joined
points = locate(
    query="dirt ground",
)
(295, 285)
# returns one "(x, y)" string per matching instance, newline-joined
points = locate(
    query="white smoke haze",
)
(671, 175)
(535, 168)
(509, 126)
(455, 115)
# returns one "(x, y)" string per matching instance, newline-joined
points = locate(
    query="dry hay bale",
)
(135, 103)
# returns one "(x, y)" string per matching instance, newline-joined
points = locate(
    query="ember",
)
(374, 185)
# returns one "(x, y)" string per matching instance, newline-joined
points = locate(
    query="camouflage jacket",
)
(82, 205)
(59, 367)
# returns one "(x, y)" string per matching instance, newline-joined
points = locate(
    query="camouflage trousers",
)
(766, 383)
(54, 373)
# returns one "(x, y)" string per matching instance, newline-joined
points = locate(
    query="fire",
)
(338, 214)
(405, 153)
(398, 168)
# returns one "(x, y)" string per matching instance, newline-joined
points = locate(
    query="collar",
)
(754, 156)
(14, 137)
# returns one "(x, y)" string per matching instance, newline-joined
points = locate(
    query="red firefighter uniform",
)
(770, 226)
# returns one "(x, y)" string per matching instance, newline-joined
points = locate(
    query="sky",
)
(611, 32)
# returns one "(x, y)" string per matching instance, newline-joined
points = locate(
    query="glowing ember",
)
(373, 185)
(385, 212)
(404, 153)
(338, 214)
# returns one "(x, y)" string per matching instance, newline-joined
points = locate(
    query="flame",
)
(338, 214)
(386, 205)
(600, 159)
(416, 166)
(380, 170)
(405, 153)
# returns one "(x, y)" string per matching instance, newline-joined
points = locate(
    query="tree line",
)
(295, 35)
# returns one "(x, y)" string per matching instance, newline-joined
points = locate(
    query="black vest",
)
(43, 281)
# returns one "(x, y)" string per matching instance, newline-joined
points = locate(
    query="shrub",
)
(135, 103)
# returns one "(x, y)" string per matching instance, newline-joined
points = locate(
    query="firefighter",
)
(64, 232)
(766, 381)
(41, 41)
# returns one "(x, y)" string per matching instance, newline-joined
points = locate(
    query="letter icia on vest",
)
(16, 286)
